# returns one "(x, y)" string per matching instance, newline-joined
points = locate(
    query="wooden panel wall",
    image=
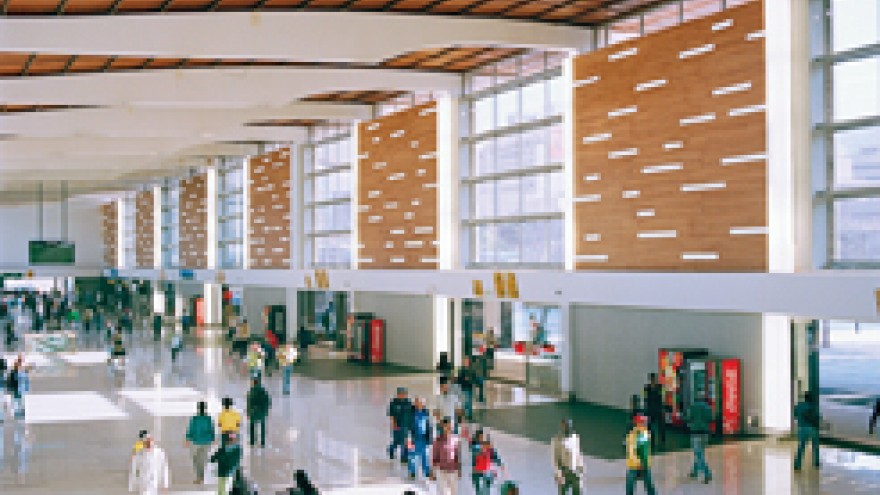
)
(144, 234)
(270, 210)
(193, 222)
(397, 190)
(670, 149)
(111, 231)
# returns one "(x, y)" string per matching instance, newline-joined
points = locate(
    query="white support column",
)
(213, 294)
(246, 213)
(569, 170)
(120, 233)
(157, 227)
(355, 197)
(788, 135)
(211, 213)
(441, 326)
(292, 311)
(457, 331)
(776, 400)
(566, 363)
(447, 151)
(297, 207)
(179, 302)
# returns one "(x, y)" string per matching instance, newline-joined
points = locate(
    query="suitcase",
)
(508, 488)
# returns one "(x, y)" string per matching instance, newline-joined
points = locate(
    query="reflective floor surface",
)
(83, 417)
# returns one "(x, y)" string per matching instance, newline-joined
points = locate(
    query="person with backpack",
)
(228, 459)
(258, 405)
(638, 457)
(699, 417)
(484, 457)
(400, 413)
(806, 412)
(421, 436)
(200, 437)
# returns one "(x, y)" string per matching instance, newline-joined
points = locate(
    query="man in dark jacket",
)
(258, 404)
(467, 380)
(808, 421)
(400, 412)
(228, 459)
(654, 408)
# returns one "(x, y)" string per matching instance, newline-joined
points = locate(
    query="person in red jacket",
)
(446, 460)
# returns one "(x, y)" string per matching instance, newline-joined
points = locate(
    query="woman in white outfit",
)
(149, 470)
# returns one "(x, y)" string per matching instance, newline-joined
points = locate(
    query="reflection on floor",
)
(83, 417)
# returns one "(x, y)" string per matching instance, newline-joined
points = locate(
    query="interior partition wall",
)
(327, 165)
(170, 226)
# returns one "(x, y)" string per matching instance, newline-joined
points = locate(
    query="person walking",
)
(466, 381)
(483, 457)
(806, 412)
(258, 405)
(286, 359)
(446, 459)
(13, 388)
(149, 469)
(255, 360)
(447, 404)
(228, 459)
(421, 437)
(568, 462)
(654, 408)
(872, 423)
(229, 420)
(200, 437)
(400, 412)
(698, 418)
(638, 457)
(176, 346)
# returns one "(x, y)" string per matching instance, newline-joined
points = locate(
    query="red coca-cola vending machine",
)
(377, 341)
(719, 380)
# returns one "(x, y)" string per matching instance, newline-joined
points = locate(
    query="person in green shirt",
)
(200, 436)
(228, 459)
(806, 412)
(699, 417)
(638, 456)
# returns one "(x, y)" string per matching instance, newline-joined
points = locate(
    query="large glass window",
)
(847, 138)
(665, 16)
(328, 162)
(513, 179)
(230, 212)
(170, 224)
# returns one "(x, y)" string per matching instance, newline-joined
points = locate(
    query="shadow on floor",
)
(339, 369)
(602, 429)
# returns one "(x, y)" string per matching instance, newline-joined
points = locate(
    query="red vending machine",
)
(672, 376)
(720, 381)
(377, 341)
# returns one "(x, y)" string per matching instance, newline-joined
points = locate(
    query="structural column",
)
(566, 361)
(291, 313)
(213, 294)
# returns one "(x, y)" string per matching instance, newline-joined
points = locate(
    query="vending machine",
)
(377, 341)
(673, 371)
(719, 380)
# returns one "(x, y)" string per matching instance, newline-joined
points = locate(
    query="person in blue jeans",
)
(421, 436)
(699, 419)
(400, 412)
(806, 412)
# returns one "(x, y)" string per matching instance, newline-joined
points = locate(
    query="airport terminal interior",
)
(439, 247)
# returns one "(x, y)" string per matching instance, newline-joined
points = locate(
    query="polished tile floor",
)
(83, 417)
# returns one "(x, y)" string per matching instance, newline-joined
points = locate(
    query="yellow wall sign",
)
(478, 288)
(512, 286)
(308, 280)
(500, 284)
(877, 299)
(322, 279)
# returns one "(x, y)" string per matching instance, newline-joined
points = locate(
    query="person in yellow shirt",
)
(229, 420)
(638, 456)
(139, 444)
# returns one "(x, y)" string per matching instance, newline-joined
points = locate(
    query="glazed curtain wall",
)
(670, 149)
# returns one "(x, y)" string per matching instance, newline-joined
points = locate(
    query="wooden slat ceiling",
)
(293, 123)
(363, 97)
(8, 109)
(577, 12)
(449, 59)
